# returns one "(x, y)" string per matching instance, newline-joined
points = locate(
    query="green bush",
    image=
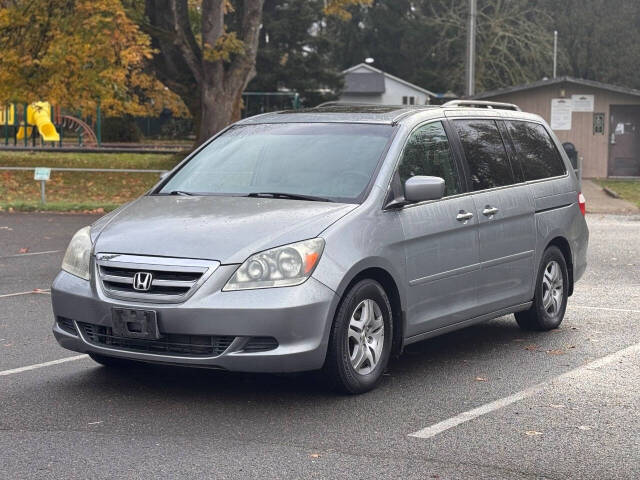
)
(120, 129)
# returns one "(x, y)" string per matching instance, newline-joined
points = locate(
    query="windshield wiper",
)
(290, 196)
(180, 192)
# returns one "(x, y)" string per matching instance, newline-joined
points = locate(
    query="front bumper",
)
(299, 318)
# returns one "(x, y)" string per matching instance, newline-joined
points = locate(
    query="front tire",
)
(360, 340)
(552, 291)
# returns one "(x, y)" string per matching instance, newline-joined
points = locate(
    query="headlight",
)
(279, 267)
(76, 260)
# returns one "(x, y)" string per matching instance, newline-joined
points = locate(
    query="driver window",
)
(428, 153)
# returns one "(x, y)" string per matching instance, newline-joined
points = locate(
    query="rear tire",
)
(111, 362)
(552, 291)
(360, 340)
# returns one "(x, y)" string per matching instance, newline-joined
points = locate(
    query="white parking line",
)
(607, 308)
(46, 291)
(463, 417)
(41, 365)
(31, 253)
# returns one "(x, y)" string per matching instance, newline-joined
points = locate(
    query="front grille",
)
(260, 344)
(169, 344)
(67, 325)
(172, 280)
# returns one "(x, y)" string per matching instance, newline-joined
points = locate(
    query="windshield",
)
(327, 161)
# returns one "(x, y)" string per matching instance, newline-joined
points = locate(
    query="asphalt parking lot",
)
(489, 401)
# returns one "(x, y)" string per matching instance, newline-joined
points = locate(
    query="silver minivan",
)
(328, 239)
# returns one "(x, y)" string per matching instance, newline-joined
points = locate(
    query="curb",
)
(610, 192)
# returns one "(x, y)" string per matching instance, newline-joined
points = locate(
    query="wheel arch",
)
(564, 246)
(390, 285)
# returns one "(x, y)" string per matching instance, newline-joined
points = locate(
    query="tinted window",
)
(326, 160)
(427, 153)
(536, 150)
(485, 153)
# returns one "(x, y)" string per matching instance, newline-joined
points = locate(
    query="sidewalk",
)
(599, 202)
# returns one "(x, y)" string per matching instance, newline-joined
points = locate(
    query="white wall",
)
(394, 91)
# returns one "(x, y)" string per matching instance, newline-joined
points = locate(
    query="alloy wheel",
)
(366, 336)
(552, 288)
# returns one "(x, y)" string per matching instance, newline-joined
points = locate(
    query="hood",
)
(227, 229)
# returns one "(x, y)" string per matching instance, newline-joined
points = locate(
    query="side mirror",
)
(421, 188)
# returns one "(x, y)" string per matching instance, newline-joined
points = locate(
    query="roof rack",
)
(482, 104)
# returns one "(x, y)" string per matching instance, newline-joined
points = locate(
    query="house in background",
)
(366, 84)
(601, 120)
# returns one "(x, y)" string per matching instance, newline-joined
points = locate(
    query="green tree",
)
(423, 41)
(597, 39)
(74, 52)
(513, 43)
(294, 51)
(207, 52)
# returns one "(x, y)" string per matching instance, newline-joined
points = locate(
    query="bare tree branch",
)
(185, 38)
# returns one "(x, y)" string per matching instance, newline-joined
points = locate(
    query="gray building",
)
(366, 84)
(601, 120)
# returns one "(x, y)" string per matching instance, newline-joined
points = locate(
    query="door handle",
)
(464, 216)
(489, 211)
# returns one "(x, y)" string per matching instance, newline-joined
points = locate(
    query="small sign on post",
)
(42, 174)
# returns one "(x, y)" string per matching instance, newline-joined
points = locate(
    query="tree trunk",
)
(211, 88)
(216, 111)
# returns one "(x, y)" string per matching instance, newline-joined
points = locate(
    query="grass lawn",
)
(627, 189)
(78, 191)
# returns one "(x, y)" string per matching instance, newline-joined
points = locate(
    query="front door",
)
(441, 241)
(624, 141)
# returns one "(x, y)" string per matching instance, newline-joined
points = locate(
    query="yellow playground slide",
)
(39, 114)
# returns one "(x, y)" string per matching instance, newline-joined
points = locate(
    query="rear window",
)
(536, 151)
(485, 153)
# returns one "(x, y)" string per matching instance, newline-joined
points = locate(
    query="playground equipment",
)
(39, 115)
(21, 124)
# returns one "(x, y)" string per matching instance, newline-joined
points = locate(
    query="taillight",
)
(582, 203)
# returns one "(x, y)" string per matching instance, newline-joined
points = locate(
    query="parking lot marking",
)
(463, 417)
(31, 253)
(41, 365)
(46, 291)
(607, 308)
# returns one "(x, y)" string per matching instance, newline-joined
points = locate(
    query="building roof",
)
(364, 83)
(554, 81)
(370, 79)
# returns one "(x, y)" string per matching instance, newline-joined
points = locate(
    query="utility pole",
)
(555, 52)
(471, 50)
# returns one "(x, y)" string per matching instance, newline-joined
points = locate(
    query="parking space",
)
(79, 420)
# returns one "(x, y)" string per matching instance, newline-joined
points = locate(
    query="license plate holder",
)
(135, 323)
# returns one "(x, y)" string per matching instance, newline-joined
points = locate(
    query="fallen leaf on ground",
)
(531, 348)
(315, 455)
(557, 351)
(23, 250)
(532, 433)
(481, 379)
(584, 427)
